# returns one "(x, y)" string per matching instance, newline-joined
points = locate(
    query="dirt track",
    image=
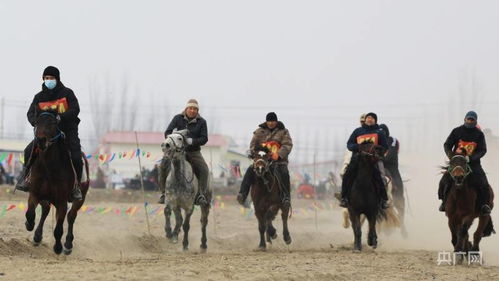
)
(111, 246)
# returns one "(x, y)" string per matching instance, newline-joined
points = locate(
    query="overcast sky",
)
(318, 64)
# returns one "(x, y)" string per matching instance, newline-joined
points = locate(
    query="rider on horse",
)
(391, 159)
(468, 140)
(368, 132)
(273, 135)
(196, 137)
(55, 97)
(347, 157)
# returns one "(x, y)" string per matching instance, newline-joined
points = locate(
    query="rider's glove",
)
(188, 141)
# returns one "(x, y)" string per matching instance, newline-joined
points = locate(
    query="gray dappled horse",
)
(181, 189)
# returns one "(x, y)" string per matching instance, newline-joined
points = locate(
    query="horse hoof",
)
(29, 226)
(68, 251)
(174, 240)
(287, 241)
(262, 248)
(185, 249)
(356, 251)
(37, 240)
(57, 249)
(274, 236)
(202, 249)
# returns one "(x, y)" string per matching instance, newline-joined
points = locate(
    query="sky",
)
(420, 65)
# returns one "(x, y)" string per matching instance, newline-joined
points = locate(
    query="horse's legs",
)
(453, 230)
(270, 230)
(357, 232)
(178, 224)
(462, 245)
(372, 239)
(205, 211)
(72, 214)
(466, 244)
(185, 227)
(285, 230)
(168, 227)
(477, 236)
(37, 238)
(58, 231)
(31, 212)
(260, 215)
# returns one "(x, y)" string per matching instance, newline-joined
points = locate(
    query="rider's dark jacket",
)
(366, 134)
(472, 140)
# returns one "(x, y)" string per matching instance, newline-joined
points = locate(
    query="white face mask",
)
(50, 84)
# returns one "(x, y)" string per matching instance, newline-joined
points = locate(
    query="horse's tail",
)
(381, 216)
(489, 229)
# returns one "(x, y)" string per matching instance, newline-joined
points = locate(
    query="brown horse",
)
(461, 208)
(265, 193)
(52, 178)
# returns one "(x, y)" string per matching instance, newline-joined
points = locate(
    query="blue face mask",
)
(50, 84)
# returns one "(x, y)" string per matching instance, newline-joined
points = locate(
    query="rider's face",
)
(191, 112)
(469, 121)
(271, 124)
(48, 77)
(370, 121)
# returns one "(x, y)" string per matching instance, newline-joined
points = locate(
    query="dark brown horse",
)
(364, 195)
(461, 208)
(266, 197)
(52, 179)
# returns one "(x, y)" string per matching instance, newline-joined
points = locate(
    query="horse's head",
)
(370, 151)
(174, 143)
(261, 160)
(46, 129)
(458, 169)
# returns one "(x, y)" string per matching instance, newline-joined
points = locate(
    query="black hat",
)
(271, 116)
(373, 115)
(52, 71)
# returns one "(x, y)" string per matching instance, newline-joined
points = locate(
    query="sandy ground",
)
(111, 246)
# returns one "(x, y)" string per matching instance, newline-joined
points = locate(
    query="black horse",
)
(52, 178)
(266, 196)
(364, 194)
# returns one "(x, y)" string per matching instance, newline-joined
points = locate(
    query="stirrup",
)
(76, 194)
(286, 202)
(22, 185)
(161, 199)
(201, 200)
(344, 203)
(485, 210)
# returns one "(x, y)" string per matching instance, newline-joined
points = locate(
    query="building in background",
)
(117, 154)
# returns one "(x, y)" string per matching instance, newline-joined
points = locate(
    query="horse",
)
(181, 190)
(461, 208)
(364, 198)
(393, 217)
(52, 178)
(266, 197)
